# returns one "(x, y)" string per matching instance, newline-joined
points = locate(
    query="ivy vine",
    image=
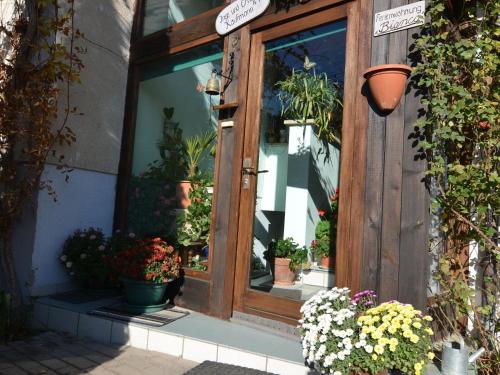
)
(457, 77)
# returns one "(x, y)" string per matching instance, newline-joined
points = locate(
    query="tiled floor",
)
(51, 354)
(195, 337)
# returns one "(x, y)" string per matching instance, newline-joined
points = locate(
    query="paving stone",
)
(53, 363)
(13, 371)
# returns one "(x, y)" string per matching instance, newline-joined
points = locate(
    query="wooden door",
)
(285, 186)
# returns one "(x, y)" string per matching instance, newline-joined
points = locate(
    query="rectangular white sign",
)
(239, 13)
(399, 18)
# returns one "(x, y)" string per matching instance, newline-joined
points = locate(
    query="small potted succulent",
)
(145, 270)
(285, 257)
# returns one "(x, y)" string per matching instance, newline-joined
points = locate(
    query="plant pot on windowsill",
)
(387, 84)
(328, 262)
(182, 190)
(283, 275)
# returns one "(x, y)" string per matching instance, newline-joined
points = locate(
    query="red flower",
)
(321, 213)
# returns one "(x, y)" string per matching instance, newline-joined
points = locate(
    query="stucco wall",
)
(88, 198)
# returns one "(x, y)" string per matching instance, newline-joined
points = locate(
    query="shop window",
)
(160, 14)
(175, 139)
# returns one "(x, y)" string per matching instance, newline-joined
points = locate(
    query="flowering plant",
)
(326, 229)
(341, 335)
(149, 259)
(82, 256)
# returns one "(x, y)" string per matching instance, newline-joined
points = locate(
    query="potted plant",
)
(83, 257)
(310, 98)
(343, 335)
(193, 225)
(387, 83)
(195, 148)
(145, 270)
(286, 257)
(323, 246)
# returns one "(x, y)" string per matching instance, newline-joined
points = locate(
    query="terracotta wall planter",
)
(182, 194)
(387, 84)
(283, 275)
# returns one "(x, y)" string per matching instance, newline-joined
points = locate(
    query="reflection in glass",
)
(175, 137)
(160, 14)
(297, 196)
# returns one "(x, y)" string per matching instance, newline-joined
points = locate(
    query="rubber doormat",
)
(214, 368)
(156, 319)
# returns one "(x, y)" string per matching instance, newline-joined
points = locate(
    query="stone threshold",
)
(196, 337)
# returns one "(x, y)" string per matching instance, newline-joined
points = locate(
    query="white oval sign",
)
(238, 13)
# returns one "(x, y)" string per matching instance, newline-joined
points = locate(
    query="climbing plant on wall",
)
(458, 79)
(39, 63)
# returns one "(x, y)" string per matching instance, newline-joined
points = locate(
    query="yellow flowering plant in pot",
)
(393, 336)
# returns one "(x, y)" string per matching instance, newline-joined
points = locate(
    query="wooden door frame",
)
(353, 158)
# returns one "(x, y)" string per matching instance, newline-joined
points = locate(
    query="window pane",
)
(297, 191)
(175, 125)
(159, 14)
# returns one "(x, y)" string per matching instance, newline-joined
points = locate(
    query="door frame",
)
(353, 158)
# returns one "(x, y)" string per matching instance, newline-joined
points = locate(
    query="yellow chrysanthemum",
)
(407, 321)
(394, 341)
(392, 329)
(376, 335)
(428, 318)
(405, 327)
(383, 341)
(407, 334)
(418, 367)
(429, 331)
(430, 355)
(379, 349)
(392, 348)
(414, 339)
(417, 325)
(374, 356)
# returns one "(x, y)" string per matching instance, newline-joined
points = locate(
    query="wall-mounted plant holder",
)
(387, 83)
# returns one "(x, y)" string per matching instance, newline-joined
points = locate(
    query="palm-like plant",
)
(195, 148)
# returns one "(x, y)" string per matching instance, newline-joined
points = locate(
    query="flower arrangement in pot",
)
(323, 246)
(344, 336)
(145, 270)
(306, 96)
(193, 225)
(82, 257)
(285, 257)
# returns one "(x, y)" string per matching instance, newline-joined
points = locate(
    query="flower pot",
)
(144, 293)
(387, 83)
(182, 194)
(328, 262)
(283, 275)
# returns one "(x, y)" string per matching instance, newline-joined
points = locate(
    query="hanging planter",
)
(387, 83)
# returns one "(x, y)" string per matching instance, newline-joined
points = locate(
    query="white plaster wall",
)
(86, 200)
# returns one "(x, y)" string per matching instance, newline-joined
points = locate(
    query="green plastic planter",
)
(144, 293)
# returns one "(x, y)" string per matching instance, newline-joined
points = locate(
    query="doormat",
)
(121, 311)
(214, 368)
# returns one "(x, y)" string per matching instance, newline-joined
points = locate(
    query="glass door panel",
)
(298, 179)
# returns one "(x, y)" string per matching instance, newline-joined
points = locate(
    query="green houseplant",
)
(305, 95)
(285, 256)
(323, 246)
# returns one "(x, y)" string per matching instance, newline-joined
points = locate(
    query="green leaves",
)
(458, 58)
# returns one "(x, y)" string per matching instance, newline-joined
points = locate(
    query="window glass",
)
(160, 14)
(296, 205)
(174, 153)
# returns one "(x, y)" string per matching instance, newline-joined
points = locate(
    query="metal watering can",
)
(456, 358)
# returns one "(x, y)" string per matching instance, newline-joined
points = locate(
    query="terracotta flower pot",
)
(387, 84)
(283, 275)
(328, 262)
(182, 194)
